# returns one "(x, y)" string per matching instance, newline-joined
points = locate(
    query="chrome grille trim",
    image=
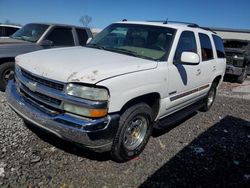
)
(51, 84)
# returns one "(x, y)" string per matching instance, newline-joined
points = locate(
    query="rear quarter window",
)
(219, 46)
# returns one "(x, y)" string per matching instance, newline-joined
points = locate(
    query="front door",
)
(183, 79)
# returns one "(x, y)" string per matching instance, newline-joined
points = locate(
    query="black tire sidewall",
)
(243, 76)
(3, 68)
(207, 107)
(119, 152)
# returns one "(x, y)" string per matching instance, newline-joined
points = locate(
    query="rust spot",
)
(71, 76)
(95, 71)
(75, 80)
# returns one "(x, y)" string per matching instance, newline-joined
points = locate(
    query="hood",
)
(11, 41)
(238, 51)
(12, 47)
(81, 64)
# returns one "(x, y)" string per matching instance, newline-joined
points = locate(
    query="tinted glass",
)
(219, 46)
(143, 41)
(187, 43)
(1, 31)
(61, 37)
(30, 32)
(206, 47)
(82, 36)
(10, 30)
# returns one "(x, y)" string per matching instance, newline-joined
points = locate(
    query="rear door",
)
(207, 63)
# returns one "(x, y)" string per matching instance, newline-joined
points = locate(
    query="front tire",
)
(209, 100)
(6, 73)
(135, 128)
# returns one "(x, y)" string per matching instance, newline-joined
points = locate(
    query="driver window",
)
(61, 37)
(187, 43)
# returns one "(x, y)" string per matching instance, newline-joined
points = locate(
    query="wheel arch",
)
(7, 59)
(151, 99)
(217, 80)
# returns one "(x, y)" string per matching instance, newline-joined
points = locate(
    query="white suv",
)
(108, 95)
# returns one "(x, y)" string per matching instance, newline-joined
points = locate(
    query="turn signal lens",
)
(87, 112)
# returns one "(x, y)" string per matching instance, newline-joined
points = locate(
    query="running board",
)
(178, 116)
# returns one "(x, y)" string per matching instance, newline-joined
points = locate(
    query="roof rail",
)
(194, 25)
(170, 21)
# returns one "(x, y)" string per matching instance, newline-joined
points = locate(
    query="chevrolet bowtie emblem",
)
(32, 86)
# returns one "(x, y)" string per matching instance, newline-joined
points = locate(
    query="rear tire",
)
(6, 73)
(135, 128)
(209, 100)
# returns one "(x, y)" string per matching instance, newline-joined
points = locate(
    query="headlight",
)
(87, 112)
(91, 93)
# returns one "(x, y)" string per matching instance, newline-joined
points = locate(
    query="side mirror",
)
(89, 39)
(190, 58)
(47, 43)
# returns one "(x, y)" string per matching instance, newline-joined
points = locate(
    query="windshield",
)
(144, 41)
(30, 32)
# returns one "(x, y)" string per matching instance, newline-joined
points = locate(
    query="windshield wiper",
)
(123, 51)
(95, 46)
(128, 52)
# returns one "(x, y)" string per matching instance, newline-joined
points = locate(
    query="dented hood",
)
(81, 64)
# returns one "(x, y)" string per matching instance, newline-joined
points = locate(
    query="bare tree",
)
(11, 23)
(85, 20)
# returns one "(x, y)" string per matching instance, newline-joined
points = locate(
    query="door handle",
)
(198, 72)
(214, 68)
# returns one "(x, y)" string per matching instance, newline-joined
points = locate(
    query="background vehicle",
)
(37, 36)
(7, 30)
(108, 95)
(238, 58)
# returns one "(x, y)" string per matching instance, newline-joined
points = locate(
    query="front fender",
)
(130, 86)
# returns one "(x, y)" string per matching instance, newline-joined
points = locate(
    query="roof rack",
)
(194, 25)
(170, 21)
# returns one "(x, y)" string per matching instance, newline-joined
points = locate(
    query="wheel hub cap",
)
(135, 132)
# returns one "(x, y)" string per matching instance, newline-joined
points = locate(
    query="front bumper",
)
(232, 70)
(95, 134)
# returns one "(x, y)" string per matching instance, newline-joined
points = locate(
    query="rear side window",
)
(82, 36)
(10, 30)
(1, 31)
(219, 46)
(206, 47)
(61, 37)
(187, 43)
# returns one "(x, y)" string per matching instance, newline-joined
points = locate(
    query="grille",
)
(44, 82)
(33, 101)
(230, 60)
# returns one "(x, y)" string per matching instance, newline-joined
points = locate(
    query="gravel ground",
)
(205, 150)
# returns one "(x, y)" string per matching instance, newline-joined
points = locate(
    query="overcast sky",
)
(212, 13)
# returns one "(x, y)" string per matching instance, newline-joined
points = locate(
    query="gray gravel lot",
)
(205, 150)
